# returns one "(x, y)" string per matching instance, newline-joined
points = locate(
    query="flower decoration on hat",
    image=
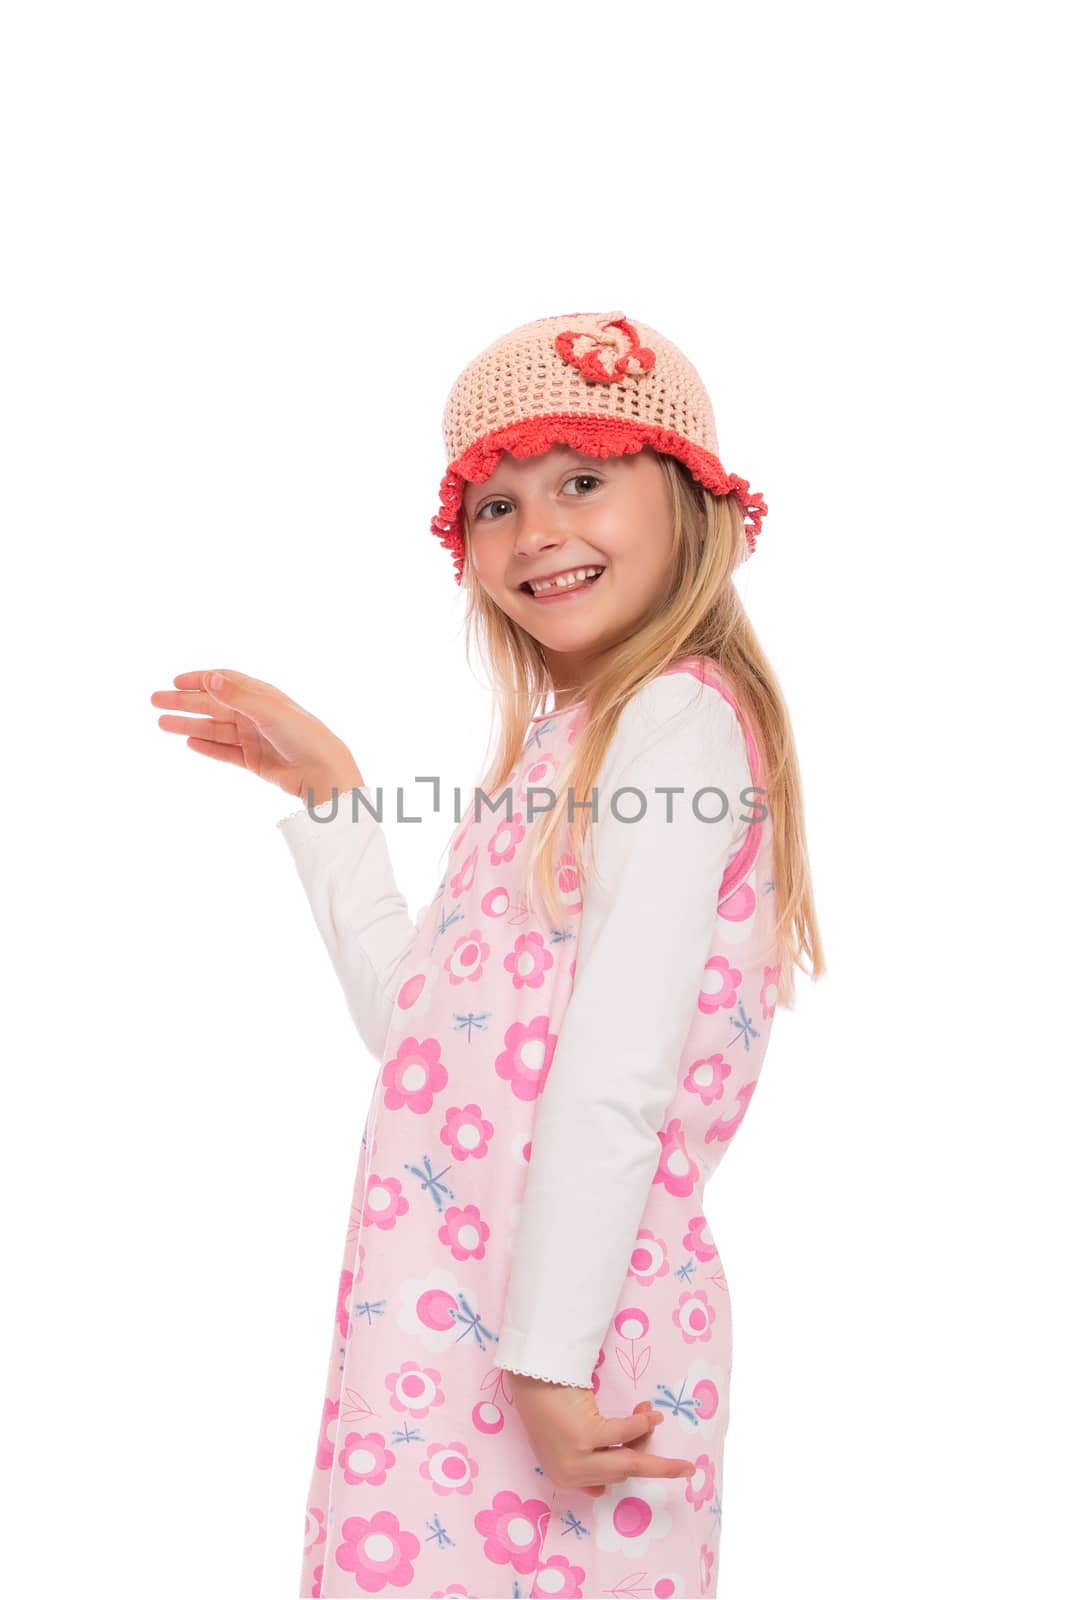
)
(607, 350)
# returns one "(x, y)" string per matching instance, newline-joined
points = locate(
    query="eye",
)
(502, 500)
(483, 509)
(589, 477)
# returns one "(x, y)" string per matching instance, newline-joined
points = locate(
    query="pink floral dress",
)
(424, 1482)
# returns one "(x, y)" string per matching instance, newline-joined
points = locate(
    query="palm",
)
(257, 753)
(277, 739)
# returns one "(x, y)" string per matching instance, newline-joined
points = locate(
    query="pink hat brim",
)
(593, 436)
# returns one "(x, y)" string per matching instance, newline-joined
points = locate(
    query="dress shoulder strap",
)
(704, 668)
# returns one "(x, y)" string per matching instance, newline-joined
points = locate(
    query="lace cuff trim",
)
(544, 1376)
(303, 810)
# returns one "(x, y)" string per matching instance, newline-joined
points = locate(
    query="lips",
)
(558, 591)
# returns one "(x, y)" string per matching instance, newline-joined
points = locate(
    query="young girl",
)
(528, 1381)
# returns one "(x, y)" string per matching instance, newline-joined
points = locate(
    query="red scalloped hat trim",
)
(593, 436)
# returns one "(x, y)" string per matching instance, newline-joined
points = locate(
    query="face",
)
(546, 515)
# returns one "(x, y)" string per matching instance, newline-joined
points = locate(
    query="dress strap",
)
(703, 667)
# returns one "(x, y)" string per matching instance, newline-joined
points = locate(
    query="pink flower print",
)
(576, 724)
(461, 880)
(415, 1389)
(446, 1594)
(365, 1458)
(568, 885)
(529, 961)
(697, 1241)
(648, 1258)
(428, 1307)
(631, 1514)
(539, 775)
(496, 902)
(705, 1398)
(768, 995)
(449, 1468)
(344, 1291)
(694, 1316)
(630, 1323)
(701, 1487)
(325, 1447)
(605, 350)
(378, 1551)
(314, 1527)
(707, 1076)
(561, 1579)
(677, 1170)
(383, 1203)
(464, 1232)
(414, 1075)
(526, 1062)
(468, 957)
(353, 1233)
(466, 1132)
(719, 985)
(487, 1414)
(316, 1582)
(726, 1124)
(511, 1529)
(416, 992)
(506, 840)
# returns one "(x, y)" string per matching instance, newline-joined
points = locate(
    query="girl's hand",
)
(580, 1449)
(253, 725)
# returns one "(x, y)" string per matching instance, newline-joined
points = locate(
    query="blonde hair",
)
(703, 616)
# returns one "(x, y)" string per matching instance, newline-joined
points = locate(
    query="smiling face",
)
(562, 511)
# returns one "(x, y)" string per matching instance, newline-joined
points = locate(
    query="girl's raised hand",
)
(580, 1449)
(234, 718)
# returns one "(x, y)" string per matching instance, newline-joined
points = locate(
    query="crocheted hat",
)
(597, 381)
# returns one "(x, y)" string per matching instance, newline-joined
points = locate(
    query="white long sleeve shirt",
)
(648, 918)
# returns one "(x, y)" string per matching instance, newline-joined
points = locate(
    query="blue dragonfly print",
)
(678, 1404)
(438, 1536)
(540, 731)
(745, 1026)
(473, 1019)
(470, 1321)
(572, 1524)
(428, 1179)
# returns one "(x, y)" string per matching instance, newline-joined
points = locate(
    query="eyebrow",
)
(572, 456)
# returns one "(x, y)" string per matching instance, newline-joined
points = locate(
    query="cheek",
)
(488, 558)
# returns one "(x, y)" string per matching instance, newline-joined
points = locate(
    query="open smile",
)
(563, 589)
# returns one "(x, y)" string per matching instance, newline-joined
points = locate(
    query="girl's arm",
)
(643, 940)
(362, 916)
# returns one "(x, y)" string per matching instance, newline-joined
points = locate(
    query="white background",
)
(248, 248)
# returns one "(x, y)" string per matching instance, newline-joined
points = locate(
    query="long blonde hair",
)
(703, 616)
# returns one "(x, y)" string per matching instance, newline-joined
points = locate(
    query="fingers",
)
(613, 1466)
(221, 752)
(198, 680)
(629, 1459)
(201, 728)
(624, 1430)
(184, 700)
(195, 691)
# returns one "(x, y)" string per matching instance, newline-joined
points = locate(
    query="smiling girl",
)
(528, 1381)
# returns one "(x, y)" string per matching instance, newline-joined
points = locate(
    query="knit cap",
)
(599, 382)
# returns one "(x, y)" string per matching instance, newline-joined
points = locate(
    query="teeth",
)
(567, 580)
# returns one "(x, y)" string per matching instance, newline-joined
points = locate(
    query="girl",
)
(528, 1382)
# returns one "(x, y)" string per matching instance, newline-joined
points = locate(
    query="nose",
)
(536, 531)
